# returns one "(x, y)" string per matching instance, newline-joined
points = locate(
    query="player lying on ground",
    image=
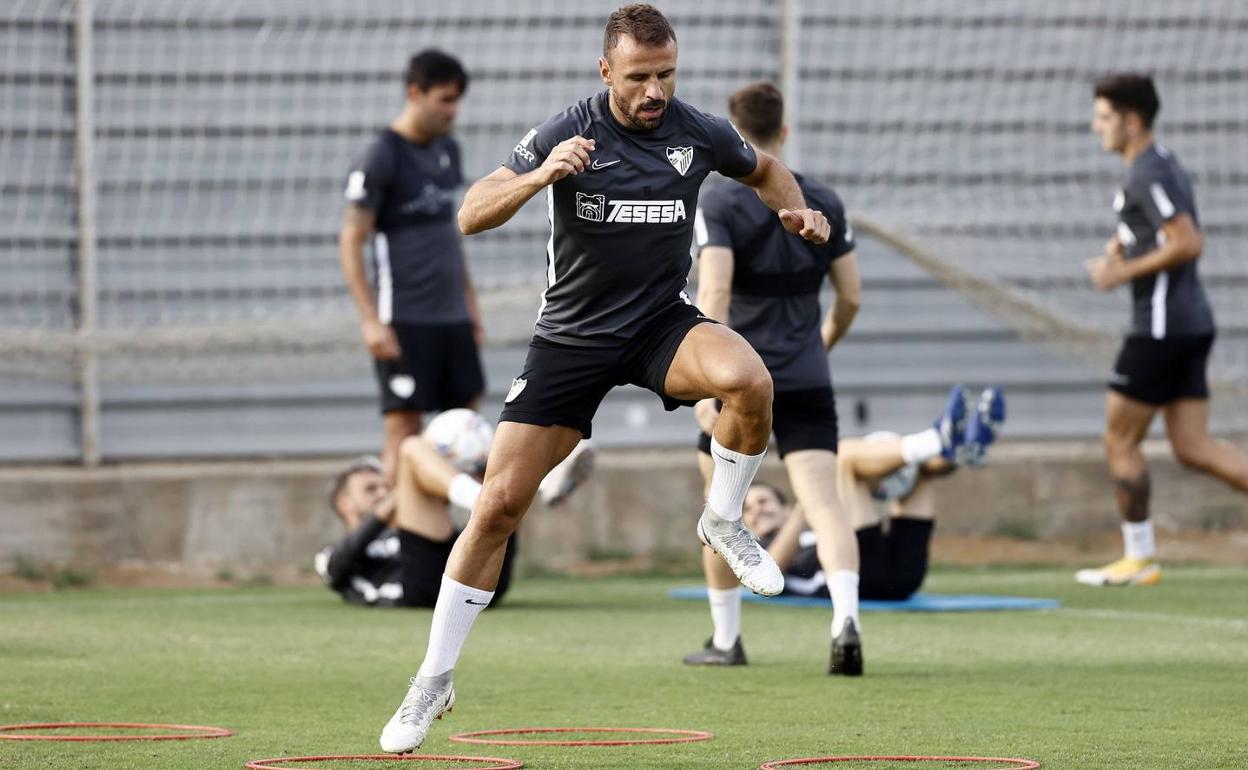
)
(764, 282)
(890, 467)
(396, 546)
(614, 312)
(1163, 361)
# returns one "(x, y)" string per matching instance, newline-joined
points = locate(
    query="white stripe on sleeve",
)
(385, 280)
(1161, 200)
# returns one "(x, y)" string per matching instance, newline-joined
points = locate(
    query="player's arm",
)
(1183, 243)
(778, 190)
(787, 542)
(496, 198)
(357, 227)
(847, 284)
(336, 564)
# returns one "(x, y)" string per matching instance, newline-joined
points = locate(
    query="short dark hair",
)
(1130, 92)
(360, 464)
(640, 21)
(758, 110)
(781, 497)
(432, 67)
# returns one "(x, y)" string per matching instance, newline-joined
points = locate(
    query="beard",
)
(632, 114)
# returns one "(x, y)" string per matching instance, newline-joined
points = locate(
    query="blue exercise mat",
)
(916, 603)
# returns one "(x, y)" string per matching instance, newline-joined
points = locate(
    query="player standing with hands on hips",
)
(621, 172)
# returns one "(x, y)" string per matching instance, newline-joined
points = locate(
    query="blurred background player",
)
(396, 546)
(879, 467)
(421, 325)
(614, 312)
(1163, 360)
(764, 283)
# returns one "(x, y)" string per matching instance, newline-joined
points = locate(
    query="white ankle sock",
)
(725, 615)
(1137, 537)
(458, 606)
(917, 447)
(734, 472)
(463, 491)
(843, 585)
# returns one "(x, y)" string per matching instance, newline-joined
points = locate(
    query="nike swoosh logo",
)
(725, 459)
(599, 165)
(479, 604)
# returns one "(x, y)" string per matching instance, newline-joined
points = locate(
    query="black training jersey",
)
(365, 566)
(776, 277)
(1171, 303)
(416, 246)
(620, 231)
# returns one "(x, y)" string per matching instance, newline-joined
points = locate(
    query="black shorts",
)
(801, 419)
(439, 369)
(564, 384)
(1160, 371)
(424, 561)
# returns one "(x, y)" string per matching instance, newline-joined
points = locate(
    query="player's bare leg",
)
(813, 473)
(520, 457)
(716, 362)
(397, 426)
(1126, 425)
(1187, 425)
(425, 480)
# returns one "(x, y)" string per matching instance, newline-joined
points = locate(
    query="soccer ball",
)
(463, 437)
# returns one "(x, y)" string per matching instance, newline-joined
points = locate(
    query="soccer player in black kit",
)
(420, 323)
(1161, 366)
(764, 283)
(621, 171)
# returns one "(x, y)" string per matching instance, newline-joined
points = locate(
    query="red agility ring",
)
(200, 731)
(675, 736)
(1026, 764)
(498, 764)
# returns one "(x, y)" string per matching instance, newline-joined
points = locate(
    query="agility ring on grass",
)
(7, 732)
(1001, 762)
(671, 736)
(495, 762)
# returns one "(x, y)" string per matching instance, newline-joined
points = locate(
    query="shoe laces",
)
(744, 547)
(418, 702)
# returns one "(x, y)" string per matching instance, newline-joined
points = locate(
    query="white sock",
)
(725, 615)
(917, 447)
(734, 472)
(463, 491)
(843, 585)
(458, 606)
(1137, 537)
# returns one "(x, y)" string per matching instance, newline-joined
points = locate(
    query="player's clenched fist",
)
(810, 224)
(569, 157)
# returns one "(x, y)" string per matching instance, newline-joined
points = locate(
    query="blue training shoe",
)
(951, 424)
(982, 427)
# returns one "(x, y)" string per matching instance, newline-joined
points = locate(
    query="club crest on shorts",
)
(403, 385)
(680, 158)
(517, 387)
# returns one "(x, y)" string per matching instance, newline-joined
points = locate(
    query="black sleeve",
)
(841, 239)
(1160, 198)
(456, 162)
(338, 562)
(531, 151)
(712, 222)
(734, 157)
(369, 180)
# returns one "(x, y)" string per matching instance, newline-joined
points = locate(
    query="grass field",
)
(1144, 678)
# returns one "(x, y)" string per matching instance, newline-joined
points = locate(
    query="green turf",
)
(1139, 678)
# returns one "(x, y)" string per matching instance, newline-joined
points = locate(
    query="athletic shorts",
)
(564, 384)
(439, 369)
(801, 419)
(424, 561)
(1160, 371)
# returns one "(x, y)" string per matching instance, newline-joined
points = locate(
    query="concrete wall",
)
(270, 517)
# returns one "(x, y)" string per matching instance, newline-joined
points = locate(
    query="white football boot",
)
(427, 699)
(749, 561)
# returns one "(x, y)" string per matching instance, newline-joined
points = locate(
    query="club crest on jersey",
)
(590, 207)
(680, 158)
(517, 387)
